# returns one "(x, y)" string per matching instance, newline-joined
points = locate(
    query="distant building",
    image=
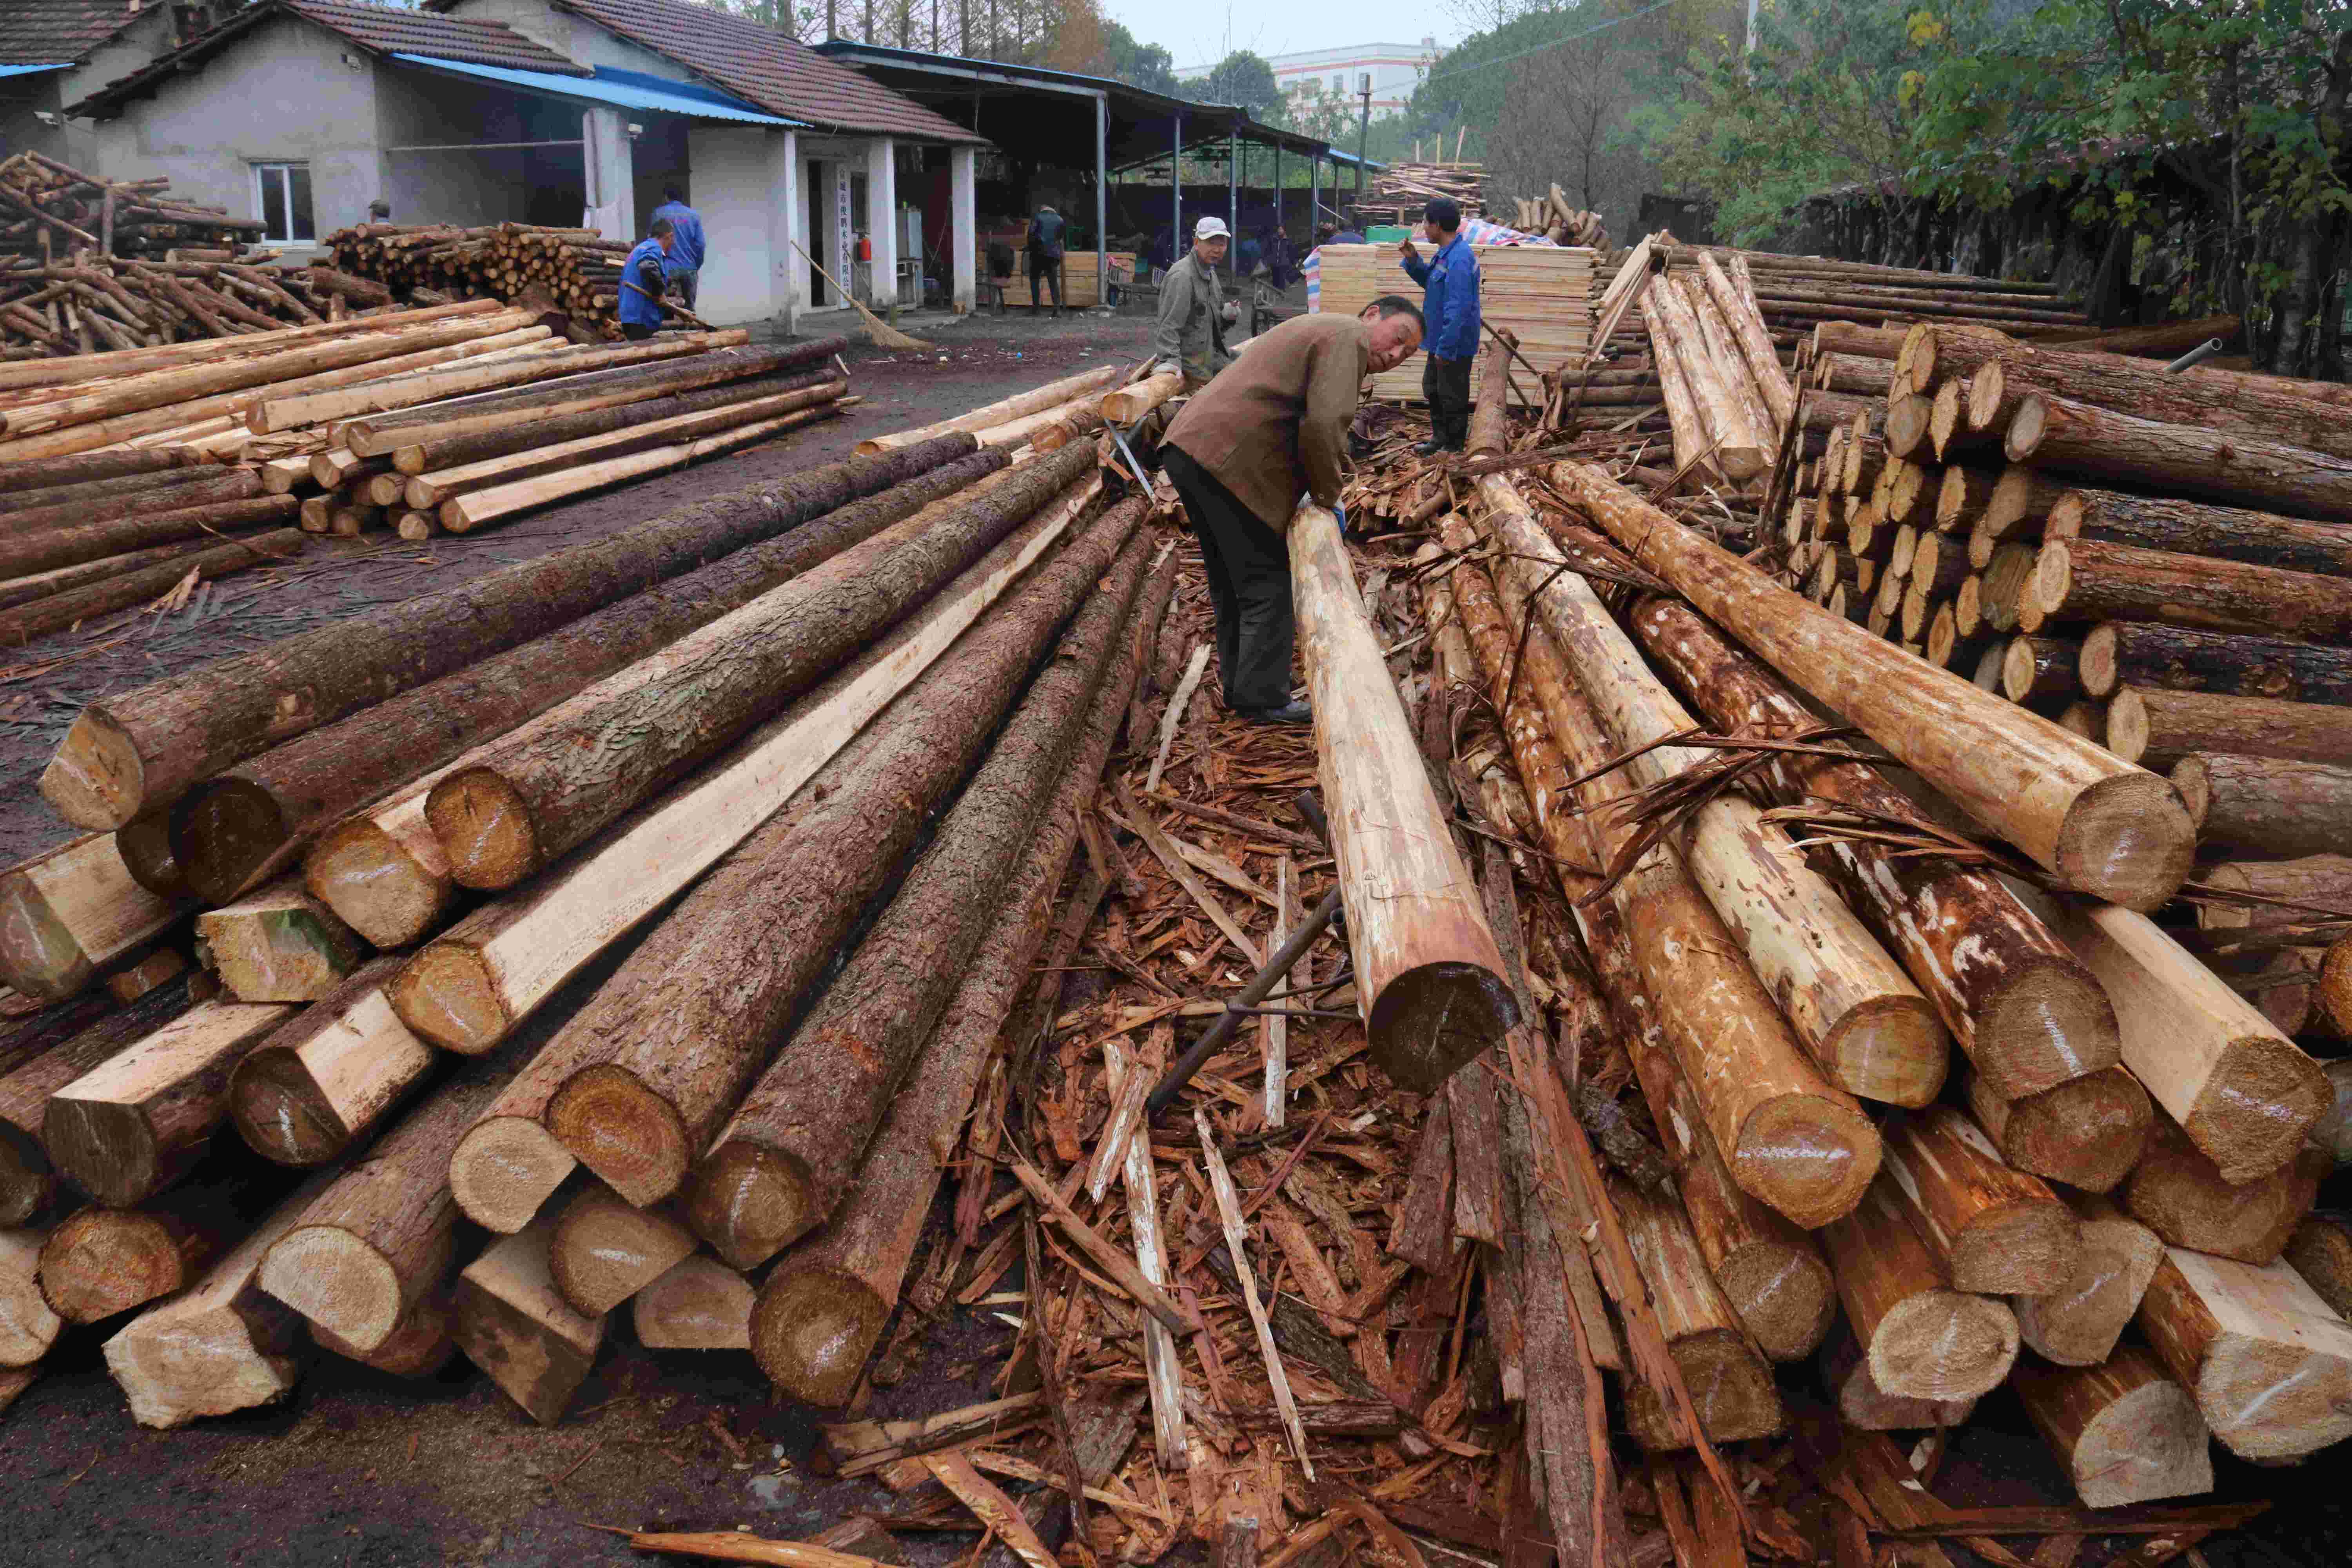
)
(1393, 69)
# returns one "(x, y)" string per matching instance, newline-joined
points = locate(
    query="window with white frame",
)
(281, 196)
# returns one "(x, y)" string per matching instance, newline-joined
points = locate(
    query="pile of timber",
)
(748, 710)
(1550, 216)
(576, 270)
(1398, 192)
(1541, 294)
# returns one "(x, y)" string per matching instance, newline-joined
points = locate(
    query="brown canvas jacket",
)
(1274, 425)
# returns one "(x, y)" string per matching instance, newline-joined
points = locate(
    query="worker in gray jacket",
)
(1190, 334)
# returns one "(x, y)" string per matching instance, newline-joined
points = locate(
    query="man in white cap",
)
(1191, 332)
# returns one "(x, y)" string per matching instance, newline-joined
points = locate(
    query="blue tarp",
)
(621, 89)
(29, 70)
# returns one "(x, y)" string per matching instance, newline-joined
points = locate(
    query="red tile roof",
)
(59, 32)
(780, 74)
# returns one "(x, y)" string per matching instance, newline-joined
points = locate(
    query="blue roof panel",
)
(29, 70)
(621, 89)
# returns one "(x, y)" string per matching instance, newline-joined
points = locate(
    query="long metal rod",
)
(1102, 203)
(1176, 189)
(1214, 1037)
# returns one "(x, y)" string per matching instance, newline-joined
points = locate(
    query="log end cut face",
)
(2087, 1133)
(700, 1305)
(177, 1367)
(97, 780)
(812, 1331)
(280, 1112)
(448, 995)
(336, 1280)
(2274, 1398)
(2147, 1445)
(1430, 1020)
(605, 1250)
(1785, 1297)
(223, 833)
(1944, 1345)
(2017, 1249)
(485, 828)
(26, 1182)
(1894, 1044)
(147, 854)
(503, 1169)
(28, 1324)
(2051, 1024)
(622, 1130)
(2078, 1323)
(101, 1262)
(39, 955)
(2263, 1097)
(2128, 840)
(106, 1149)
(1809, 1156)
(751, 1201)
(419, 1347)
(375, 886)
(1730, 1387)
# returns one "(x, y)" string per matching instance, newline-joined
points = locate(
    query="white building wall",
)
(736, 171)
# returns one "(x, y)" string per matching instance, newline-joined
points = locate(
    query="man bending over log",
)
(1272, 426)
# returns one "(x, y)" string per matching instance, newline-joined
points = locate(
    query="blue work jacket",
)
(1449, 284)
(636, 310)
(687, 226)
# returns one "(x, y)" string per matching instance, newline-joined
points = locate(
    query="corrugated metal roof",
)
(624, 89)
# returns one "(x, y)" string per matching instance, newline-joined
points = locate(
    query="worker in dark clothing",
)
(1272, 428)
(1046, 232)
(685, 262)
(1449, 281)
(644, 276)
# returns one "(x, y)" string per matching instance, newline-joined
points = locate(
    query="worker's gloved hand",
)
(1166, 365)
(1232, 311)
(1341, 512)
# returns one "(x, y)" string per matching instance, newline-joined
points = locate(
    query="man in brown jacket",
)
(1271, 427)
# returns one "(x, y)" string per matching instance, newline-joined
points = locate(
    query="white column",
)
(786, 221)
(610, 166)
(963, 228)
(842, 262)
(882, 219)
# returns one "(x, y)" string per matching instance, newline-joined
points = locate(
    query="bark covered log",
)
(68, 915)
(2196, 527)
(327, 1078)
(2265, 805)
(2118, 654)
(2179, 460)
(2086, 580)
(1996, 1231)
(59, 611)
(2158, 728)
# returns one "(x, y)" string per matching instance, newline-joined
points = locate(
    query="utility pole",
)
(1363, 131)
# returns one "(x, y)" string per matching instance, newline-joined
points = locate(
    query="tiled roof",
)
(781, 75)
(379, 28)
(59, 32)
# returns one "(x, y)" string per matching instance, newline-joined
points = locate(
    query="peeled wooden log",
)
(2159, 727)
(279, 944)
(522, 800)
(1787, 1137)
(2264, 805)
(2077, 1324)
(2087, 1131)
(220, 1347)
(30, 1326)
(1727, 364)
(2125, 1431)
(1866, 1407)
(1737, 446)
(451, 452)
(2109, 828)
(2267, 408)
(1922, 1338)
(1755, 344)
(999, 412)
(2134, 653)
(1126, 405)
(68, 914)
(239, 827)
(133, 1124)
(511, 1321)
(2180, 1195)
(2020, 1005)
(327, 1078)
(782, 1164)
(2269, 1365)
(2058, 434)
(2241, 1090)
(58, 612)
(135, 752)
(1868, 1027)
(2085, 580)
(1731, 1385)
(1993, 1230)
(336, 405)
(98, 1263)
(700, 1305)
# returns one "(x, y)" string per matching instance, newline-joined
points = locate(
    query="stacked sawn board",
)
(1542, 292)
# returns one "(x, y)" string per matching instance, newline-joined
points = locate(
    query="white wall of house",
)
(746, 184)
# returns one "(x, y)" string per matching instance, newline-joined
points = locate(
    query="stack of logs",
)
(744, 710)
(571, 270)
(1551, 216)
(122, 474)
(1399, 192)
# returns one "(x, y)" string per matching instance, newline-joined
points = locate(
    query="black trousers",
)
(1446, 382)
(1248, 567)
(634, 333)
(1046, 269)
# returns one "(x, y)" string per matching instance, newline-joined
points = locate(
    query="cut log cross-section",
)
(328, 1076)
(70, 914)
(279, 944)
(2126, 1431)
(1924, 1339)
(2078, 1323)
(2271, 1366)
(27, 1181)
(2087, 1133)
(2177, 1193)
(512, 1322)
(98, 1262)
(1863, 1404)
(605, 1251)
(699, 1305)
(1998, 1232)
(1730, 1383)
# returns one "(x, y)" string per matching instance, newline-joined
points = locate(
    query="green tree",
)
(1138, 64)
(1243, 78)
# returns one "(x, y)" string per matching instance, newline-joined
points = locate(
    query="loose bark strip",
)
(783, 1161)
(100, 1262)
(1229, 1213)
(1163, 1372)
(1730, 1382)
(2241, 1090)
(1865, 1407)
(2022, 1008)
(1923, 1340)
(2086, 1132)
(68, 914)
(2086, 580)
(2106, 827)
(1117, 1266)
(510, 1321)
(133, 1125)
(233, 829)
(2077, 1324)
(1425, 962)
(140, 750)
(1763, 1100)
(2269, 1365)
(278, 945)
(2177, 1193)
(218, 1348)
(2159, 727)
(824, 1308)
(2126, 1432)
(60, 611)
(699, 1305)
(326, 1078)
(2055, 433)
(2120, 654)
(1996, 1231)
(1867, 1026)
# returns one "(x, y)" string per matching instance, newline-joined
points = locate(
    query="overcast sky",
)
(1204, 34)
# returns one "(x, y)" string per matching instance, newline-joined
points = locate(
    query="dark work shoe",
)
(1288, 713)
(1431, 448)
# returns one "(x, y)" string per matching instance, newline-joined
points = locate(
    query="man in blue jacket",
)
(643, 277)
(1449, 283)
(686, 257)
